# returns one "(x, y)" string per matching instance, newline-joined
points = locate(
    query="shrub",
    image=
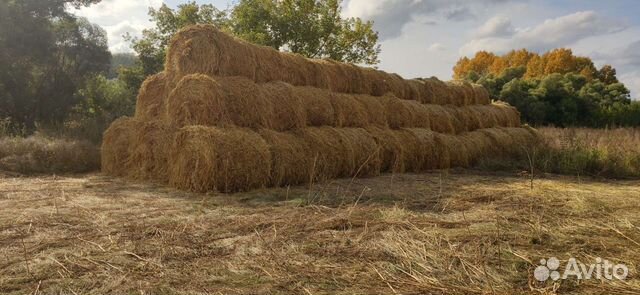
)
(40, 154)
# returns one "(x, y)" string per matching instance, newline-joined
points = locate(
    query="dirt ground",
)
(435, 233)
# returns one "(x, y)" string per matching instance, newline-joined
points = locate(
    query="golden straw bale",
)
(420, 115)
(440, 92)
(204, 49)
(291, 159)
(211, 159)
(441, 120)
(375, 110)
(117, 143)
(363, 154)
(198, 100)
(481, 95)
(469, 118)
(416, 90)
(412, 155)
(456, 93)
(318, 107)
(246, 105)
(452, 150)
(427, 157)
(506, 115)
(348, 111)
(328, 152)
(398, 113)
(150, 150)
(289, 110)
(151, 99)
(336, 76)
(391, 149)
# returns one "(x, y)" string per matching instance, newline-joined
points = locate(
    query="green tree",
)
(312, 28)
(45, 56)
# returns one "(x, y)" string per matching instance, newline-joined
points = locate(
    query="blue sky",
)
(422, 38)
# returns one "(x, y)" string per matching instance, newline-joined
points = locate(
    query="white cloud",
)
(497, 26)
(119, 17)
(390, 16)
(552, 33)
(626, 60)
(437, 47)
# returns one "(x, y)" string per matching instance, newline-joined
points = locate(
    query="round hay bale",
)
(349, 112)
(427, 157)
(246, 105)
(289, 110)
(203, 49)
(363, 152)
(452, 151)
(481, 95)
(211, 159)
(150, 151)
(150, 103)
(421, 117)
(291, 160)
(391, 149)
(440, 120)
(317, 103)
(117, 144)
(415, 90)
(412, 155)
(375, 110)
(198, 100)
(329, 153)
(398, 113)
(468, 117)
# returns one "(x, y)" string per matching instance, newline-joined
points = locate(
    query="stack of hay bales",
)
(230, 116)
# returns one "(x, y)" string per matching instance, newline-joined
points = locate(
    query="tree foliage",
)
(555, 88)
(46, 54)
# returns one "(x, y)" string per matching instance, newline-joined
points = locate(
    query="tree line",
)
(554, 88)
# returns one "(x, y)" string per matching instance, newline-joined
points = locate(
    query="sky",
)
(423, 38)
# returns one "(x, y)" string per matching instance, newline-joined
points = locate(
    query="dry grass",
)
(406, 234)
(41, 154)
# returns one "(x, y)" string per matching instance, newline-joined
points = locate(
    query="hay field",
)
(434, 233)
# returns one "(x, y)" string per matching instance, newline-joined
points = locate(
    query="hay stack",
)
(202, 49)
(117, 145)
(230, 116)
(151, 99)
(237, 101)
(212, 159)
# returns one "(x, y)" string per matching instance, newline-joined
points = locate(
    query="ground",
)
(461, 232)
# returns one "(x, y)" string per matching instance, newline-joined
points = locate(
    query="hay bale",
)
(149, 151)
(328, 152)
(481, 95)
(212, 159)
(412, 156)
(117, 143)
(452, 150)
(441, 120)
(291, 160)
(317, 103)
(198, 100)
(349, 112)
(426, 157)
(363, 158)
(289, 110)
(398, 113)
(150, 103)
(391, 149)
(202, 49)
(374, 108)
(420, 115)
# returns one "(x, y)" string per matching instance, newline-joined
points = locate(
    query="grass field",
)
(438, 233)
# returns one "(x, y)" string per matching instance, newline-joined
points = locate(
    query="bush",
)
(39, 154)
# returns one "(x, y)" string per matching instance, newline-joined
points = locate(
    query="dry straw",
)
(237, 101)
(151, 98)
(206, 50)
(213, 159)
